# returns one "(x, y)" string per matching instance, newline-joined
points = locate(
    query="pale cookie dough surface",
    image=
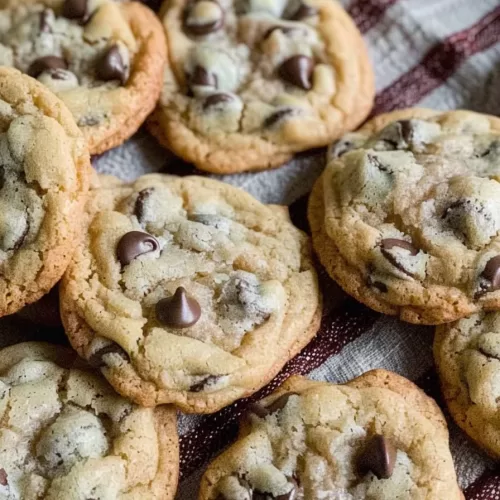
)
(467, 355)
(406, 217)
(43, 184)
(107, 65)
(247, 271)
(311, 445)
(65, 434)
(251, 82)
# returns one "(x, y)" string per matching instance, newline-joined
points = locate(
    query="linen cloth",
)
(442, 54)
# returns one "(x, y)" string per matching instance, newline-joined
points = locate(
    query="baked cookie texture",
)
(44, 181)
(251, 82)
(103, 58)
(406, 217)
(188, 291)
(378, 436)
(467, 355)
(65, 434)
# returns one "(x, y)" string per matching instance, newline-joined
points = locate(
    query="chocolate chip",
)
(202, 77)
(378, 456)
(263, 411)
(278, 116)
(204, 27)
(304, 11)
(491, 273)
(111, 66)
(381, 287)
(407, 130)
(75, 9)
(291, 495)
(42, 64)
(140, 204)
(133, 244)
(3, 477)
(298, 71)
(216, 99)
(97, 358)
(178, 311)
(390, 243)
(200, 386)
(44, 21)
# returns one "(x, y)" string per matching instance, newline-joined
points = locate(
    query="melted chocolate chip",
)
(141, 202)
(111, 66)
(75, 9)
(201, 29)
(216, 99)
(304, 11)
(202, 77)
(298, 71)
(278, 116)
(200, 386)
(42, 64)
(3, 477)
(378, 456)
(44, 21)
(491, 273)
(133, 244)
(97, 358)
(390, 243)
(381, 287)
(178, 311)
(277, 405)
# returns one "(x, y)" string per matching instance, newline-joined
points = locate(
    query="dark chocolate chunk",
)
(216, 99)
(140, 203)
(133, 244)
(97, 358)
(200, 386)
(278, 116)
(390, 243)
(178, 311)
(298, 71)
(378, 456)
(202, 77)
(42, 64)
(304, 11)
(491, 273)
(111, 66)
(277, 405)
(76, 9)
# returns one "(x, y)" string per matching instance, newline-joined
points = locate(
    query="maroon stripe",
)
(339, 327)
(487, 487)
(367, 13)
(439, 64)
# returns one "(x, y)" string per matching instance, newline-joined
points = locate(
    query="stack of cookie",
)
(187, 293)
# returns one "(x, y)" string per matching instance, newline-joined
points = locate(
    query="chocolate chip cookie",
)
(103, 58)
(406, 216)
(378, 437)
(467, 354)
(251, 82)
(43, 183)
(188, 291)
(65, 434)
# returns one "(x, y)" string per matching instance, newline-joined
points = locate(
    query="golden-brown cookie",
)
(44, 181)
(378, 436)
(251, 82)
(104, 60)
(189, 291)
(65, 434)
(406, 217)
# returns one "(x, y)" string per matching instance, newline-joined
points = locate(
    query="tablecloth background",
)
(442, 54)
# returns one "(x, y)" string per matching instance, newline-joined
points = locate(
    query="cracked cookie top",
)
(377, 437)
(64, 433)
(96, 55)
(188, 290)
(411, 204)
(250, 82)
(467, 355)
(43, 180)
